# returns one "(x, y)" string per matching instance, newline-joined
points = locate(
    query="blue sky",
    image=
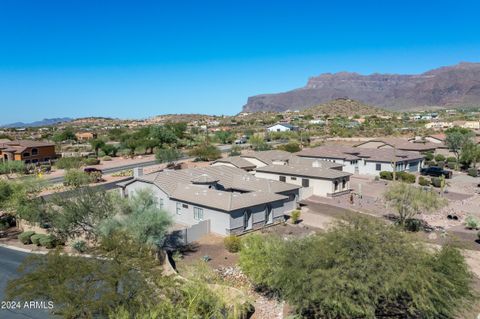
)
(135, 59)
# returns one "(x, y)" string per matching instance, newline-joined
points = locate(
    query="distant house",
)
(27, 151)
(233, 201)
(366, 161)
(85, 136)
(281, 127)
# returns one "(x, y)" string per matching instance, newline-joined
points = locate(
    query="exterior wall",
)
(45, 153)
(318, 187)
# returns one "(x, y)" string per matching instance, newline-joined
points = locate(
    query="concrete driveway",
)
(9, 262)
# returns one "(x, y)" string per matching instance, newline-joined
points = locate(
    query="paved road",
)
(9, 262)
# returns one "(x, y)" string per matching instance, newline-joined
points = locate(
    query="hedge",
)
(48, 241)
(25, 237)
(386, 175)
(406, 177)
(36, 238)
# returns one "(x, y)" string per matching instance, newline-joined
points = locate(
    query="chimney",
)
(137, 172)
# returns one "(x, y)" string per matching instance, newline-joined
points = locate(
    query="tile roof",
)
(302, 170)
(19, 146)
(403, 144)
(177, 184)
(355, 153)
(236, 161)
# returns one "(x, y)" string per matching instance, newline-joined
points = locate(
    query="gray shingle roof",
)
(236, 161)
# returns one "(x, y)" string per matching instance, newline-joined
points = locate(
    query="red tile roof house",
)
(27, 151)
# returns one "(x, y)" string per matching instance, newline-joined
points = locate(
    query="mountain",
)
(450, 86)
(44, 122)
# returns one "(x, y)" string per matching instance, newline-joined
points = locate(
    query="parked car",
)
(241, 140)
(436, 172)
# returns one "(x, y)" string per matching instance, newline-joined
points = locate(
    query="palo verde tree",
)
(408, 200)
(456, 139)
(97, 144)
(361, 268)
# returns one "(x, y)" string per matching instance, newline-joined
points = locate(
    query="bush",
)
(36, 238)
(10, 167)
(80, 246)
(439, 158)
(91, 161)
(430, 163)
(25, 237)
(472, 223)
(291, 147)
(232, 243)
(295, 216)
(429, 156)
(106, 158)
(206, 152)
(472, 172)
(69, 162)
(48, 241)
(413, 224)
(441, 164)
(386, 175)
(422, 181)
(451, 159)
(406, 177)
(452, 165)
(436, 182)
(76, 178)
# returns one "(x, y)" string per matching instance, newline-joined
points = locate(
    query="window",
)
(305, 182)
(378, 167)
(197, 213)
(179, 208)
(34, 151)
(293, 178)
(26, 154)
(335, 184)
(282, 178)
(344, 184)
(184, 206)
(160, 203)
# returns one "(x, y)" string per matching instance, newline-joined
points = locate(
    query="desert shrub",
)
(232, 243)
(36, 238)
(91, 161)
(76, 178)
(441, 164)
(413, 224)
(291, 147)
(436, 182)
(48, 241)
(80, 246)
(422, 181)
(451, 159)
(295, 216)
(406, 177)
(386, 175)
(9, 167)
(439, 158)
(69, 162)
(472, 172)
(106, 158)
(25, 237)
(428, 156)
(429, 163)
(206, 152)
(452, 165)
(472, 222)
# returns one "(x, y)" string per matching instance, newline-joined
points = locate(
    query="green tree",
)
(160, 136)
(456, 139)
(408, 200)
(20, 198)
(167, 155)
(68, 134)
(110, 150)
(97, 144)
(205, 152)
(360, 269)
(258, 143)
(80, 213)
(131, 143)
(225, 137)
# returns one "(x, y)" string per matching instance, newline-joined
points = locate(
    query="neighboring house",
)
(232, 200)
(85, 136)
(281, 127)
(313, 179)
(316, 177)
(366, 161)
(399, 144)
(27, 151)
